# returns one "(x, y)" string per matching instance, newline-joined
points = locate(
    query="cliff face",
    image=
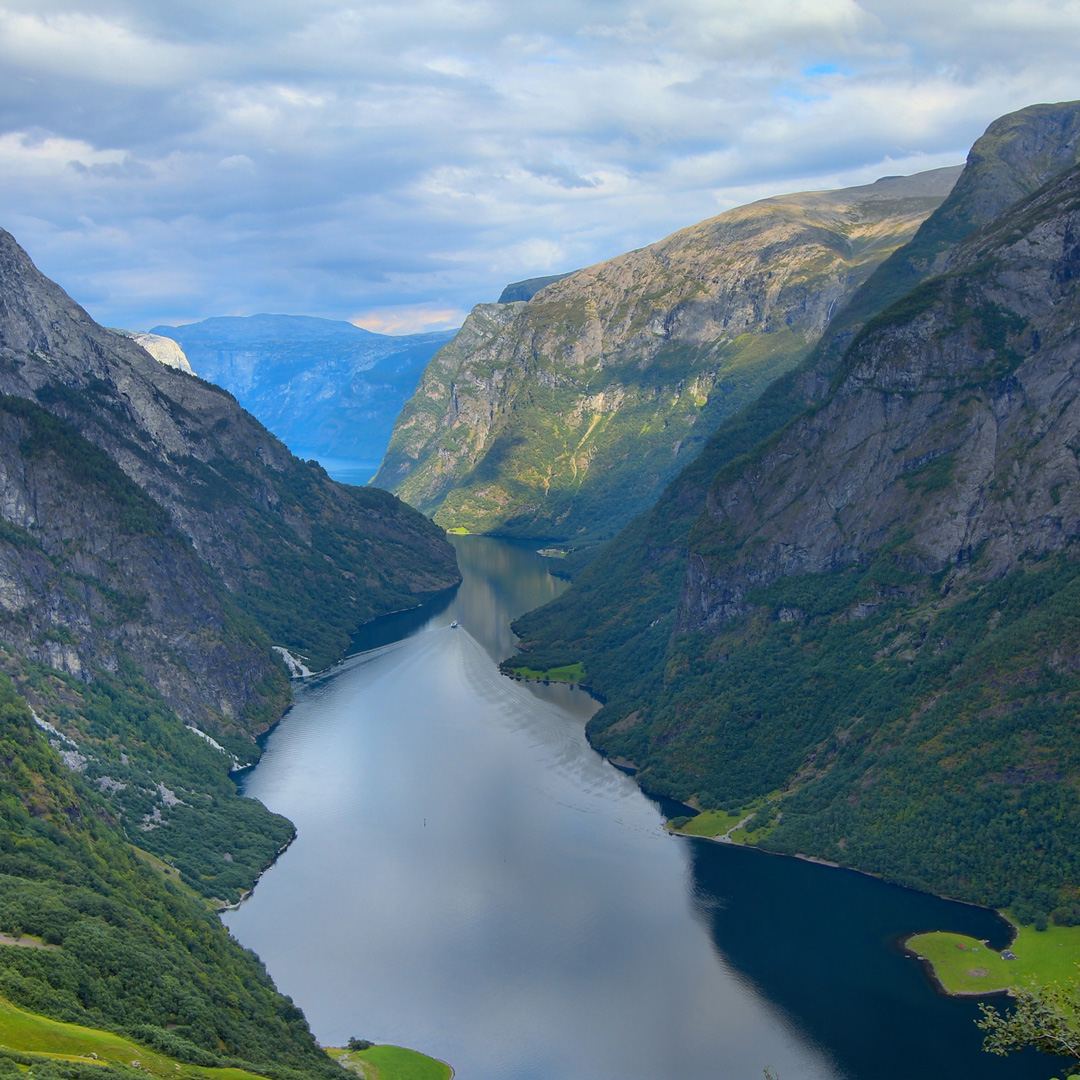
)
(858, 622)
(564, 416)
(146, 512)
(948, 437)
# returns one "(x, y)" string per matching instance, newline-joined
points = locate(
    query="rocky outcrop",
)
(1016, 155)
(163, 349)
(564, 416)
(527, 289)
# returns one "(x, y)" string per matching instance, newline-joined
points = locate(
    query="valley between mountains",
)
(815, 464)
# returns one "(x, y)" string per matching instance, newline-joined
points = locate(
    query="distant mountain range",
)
(326, 388)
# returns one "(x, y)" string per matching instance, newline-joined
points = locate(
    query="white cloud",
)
(332, 157)
(76, 44)
(409, 320)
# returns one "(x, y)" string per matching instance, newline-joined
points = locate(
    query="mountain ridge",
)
(563, 416)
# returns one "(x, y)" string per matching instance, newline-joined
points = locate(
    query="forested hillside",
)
(125, 945)
(855, 611)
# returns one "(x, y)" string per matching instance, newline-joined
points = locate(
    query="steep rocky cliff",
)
(1017, 154)
(564, 416)
(155, 542)
(861, 629)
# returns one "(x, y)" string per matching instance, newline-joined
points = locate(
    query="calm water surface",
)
(472, 880)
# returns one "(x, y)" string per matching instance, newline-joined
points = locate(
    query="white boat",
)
(454, 625)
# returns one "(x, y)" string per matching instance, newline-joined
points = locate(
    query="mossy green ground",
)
(33, 1034)
(569, 673)
(712, 823)
(745, 825)
(392, 1063)
(1042, 956)
(29, 1033)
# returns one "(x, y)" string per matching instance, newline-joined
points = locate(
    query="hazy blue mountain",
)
(326, 388)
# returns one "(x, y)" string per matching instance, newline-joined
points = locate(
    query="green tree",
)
(1046, 1017)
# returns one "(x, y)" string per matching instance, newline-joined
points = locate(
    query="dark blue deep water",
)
(472, 880)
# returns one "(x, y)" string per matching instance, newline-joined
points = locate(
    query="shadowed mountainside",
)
(859, 620)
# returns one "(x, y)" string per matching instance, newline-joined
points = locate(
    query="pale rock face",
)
(163, 349)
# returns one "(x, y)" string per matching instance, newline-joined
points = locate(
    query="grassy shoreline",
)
(566, 673)
(963, 967)
(386, 1062)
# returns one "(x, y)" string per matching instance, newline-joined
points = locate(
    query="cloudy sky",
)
(394, 164)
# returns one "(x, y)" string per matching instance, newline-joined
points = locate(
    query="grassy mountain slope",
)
(564, 416)
(867, 621)
(136, 951)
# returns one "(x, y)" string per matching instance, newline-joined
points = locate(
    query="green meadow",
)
(568, 673)
(965, 966)
(392, 1063)
(29, 1033)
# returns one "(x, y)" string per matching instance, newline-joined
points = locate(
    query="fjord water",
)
(470, 879)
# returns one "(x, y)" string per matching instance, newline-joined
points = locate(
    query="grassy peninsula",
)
(568, 673)
(961, 965)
